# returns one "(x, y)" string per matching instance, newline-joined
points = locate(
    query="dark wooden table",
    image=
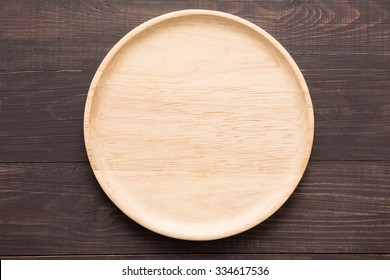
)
(51, 206)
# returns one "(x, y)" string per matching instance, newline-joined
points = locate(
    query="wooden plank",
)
(41, 115)
(208, 257)
(352, 109)
(77, 34)
(55, 209)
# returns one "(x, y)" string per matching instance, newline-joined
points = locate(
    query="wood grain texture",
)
(207, 257)
(50, 33)
(41, 116)
(181, 144)
(49, 51)
(51, 209)
(42, 112)
(50, 69)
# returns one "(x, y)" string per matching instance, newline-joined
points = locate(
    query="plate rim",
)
(106, 61)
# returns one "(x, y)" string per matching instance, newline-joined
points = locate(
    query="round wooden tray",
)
(198, 125)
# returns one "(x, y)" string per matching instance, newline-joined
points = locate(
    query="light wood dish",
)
(198, 125)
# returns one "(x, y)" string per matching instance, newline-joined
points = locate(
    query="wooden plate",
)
(198, 125)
